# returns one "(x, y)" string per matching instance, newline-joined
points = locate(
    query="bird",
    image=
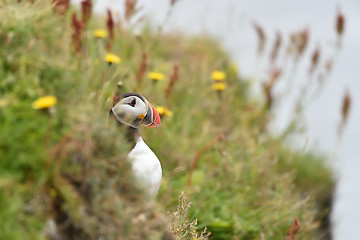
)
(132, 110)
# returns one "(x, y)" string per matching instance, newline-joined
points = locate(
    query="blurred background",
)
(258, 103)
(231, 22)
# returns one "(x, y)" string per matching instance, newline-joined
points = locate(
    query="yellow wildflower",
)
(168, 113)
(164, 112)
(112, 58)
(156, 76)
(218, 75)
(219, 86)
(160, 110)
(44, 102)
(99, 33)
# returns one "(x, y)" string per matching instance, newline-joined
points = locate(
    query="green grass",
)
(68, 164)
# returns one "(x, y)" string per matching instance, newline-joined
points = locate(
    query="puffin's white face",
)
(133, 109)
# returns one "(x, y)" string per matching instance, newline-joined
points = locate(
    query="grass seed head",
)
(294, 229)
(261, 37)
(276, 47)
(340, 23)
(174, 76)
(143, 65)
(315, 59)
(77, 27)
(346, 106)
(110, 25)
(86, 10)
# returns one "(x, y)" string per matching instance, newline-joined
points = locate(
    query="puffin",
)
(132, 110)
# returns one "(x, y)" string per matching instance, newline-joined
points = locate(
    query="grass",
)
(66, 166)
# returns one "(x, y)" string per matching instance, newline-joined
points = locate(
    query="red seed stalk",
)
(299, 41)
(173, 78)
(76, 36)
(173, 2)
(110, 24)
(143, 65)
(268, 86)
(110, 27)
(86, 10)
(315, 59)
(340, 22)
(303, 40)
(261, 37)
(276, 47)
(130, 8)
(195, 161)
(268, 95)
(294, 229)
(346, 106)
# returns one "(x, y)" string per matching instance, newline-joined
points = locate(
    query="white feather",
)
(146, 167)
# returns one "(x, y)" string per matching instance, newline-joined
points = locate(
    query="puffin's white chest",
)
(146, 167)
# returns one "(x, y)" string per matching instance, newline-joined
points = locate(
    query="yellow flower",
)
(219, 86)
(164, 112)
(168, 113)
(99, 33)
(156, 76)
(160, 110)
(218, 75)
(44, 102)
(112, 58)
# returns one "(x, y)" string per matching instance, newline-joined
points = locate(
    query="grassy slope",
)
(69, 165)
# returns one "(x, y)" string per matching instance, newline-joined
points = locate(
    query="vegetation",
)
(63, 168)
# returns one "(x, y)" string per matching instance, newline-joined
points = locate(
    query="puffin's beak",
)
(153, 117)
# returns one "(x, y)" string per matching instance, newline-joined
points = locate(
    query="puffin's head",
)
(133, 110)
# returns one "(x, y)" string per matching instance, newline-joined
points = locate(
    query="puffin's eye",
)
(133, 102)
